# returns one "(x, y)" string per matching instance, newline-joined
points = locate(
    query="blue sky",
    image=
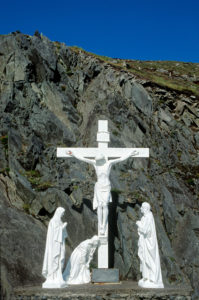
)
(141, 29)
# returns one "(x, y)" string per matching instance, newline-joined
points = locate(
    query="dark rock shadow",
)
(112, 229)
(80, 208)
(88, 203)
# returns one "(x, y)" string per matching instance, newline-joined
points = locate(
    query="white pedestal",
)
(53, 285)
(103, 249)
(103, 253)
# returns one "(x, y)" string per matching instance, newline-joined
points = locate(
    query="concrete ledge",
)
(105, 275)
(127, 290)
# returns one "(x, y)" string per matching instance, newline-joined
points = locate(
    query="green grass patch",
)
(179, 154)
(5, 171)
(44, 186)
(26, 208)
(100, 57)
(172, 259)
(190, 181)
(34, 177)
(4, 141)
(75, 187)
(69, 72)
(117, 191)
(171, 75)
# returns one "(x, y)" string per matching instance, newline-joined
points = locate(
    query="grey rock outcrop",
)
(52, 95)
(20, 236)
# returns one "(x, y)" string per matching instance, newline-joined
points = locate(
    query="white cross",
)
(103, 138)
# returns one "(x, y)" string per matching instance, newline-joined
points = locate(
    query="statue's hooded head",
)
(58, 214)
(146, 207)
(94, 240)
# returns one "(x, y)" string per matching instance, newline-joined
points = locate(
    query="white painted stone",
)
(55, 251)
(148, 250)
(77, 269)
(108, 152)
(102, 158)
(103, 126)
(103, 136)
(103, 252)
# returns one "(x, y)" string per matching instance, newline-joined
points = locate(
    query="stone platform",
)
(126, 290)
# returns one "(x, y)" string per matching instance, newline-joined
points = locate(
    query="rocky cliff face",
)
(52, 95)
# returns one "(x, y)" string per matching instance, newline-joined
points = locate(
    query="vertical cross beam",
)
(103, 138)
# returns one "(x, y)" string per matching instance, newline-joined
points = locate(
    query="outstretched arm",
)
(124, 157)
(89, 161)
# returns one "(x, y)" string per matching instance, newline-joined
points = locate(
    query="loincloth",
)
(102, 194)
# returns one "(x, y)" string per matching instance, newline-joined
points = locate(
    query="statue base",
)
(103, 275)
(150, 285)
(54, 285)
(124, 290)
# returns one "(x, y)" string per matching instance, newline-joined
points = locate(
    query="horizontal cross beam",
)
(108, 152)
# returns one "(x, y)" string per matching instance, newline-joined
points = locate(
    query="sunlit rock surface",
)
(53, 95)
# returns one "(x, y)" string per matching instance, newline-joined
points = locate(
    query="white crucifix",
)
(102, 158)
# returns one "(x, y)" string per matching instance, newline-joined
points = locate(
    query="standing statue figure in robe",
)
(77, 269)
(148, 250)
(55, 251)
(102, 190)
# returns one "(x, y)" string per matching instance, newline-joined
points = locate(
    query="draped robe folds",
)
(55, 248)
(148, 250)
(77, 269)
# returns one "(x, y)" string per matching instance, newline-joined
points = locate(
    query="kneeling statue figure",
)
(77, 269)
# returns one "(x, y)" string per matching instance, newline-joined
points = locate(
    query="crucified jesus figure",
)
(102, 190)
